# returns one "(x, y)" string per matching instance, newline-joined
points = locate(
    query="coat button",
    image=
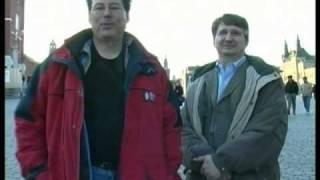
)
(73, 126)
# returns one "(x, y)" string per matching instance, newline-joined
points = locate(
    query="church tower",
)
(286, 52)
(166, 68)
(52, 47)
(298, 44)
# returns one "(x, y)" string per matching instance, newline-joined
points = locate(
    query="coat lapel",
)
(235, 81)
(211, 86)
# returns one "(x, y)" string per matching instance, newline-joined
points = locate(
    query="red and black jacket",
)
(50, 125)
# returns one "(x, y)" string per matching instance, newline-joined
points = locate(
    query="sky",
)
(179, 29)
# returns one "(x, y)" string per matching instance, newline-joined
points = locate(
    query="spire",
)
(286, 51)
(52, 46)
(165, 63)
(298, 44)
(166, 68)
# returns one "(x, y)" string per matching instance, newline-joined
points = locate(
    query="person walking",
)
(178, 89)
(23, 85)
(306, 90)
(314, 92)
(292, 90)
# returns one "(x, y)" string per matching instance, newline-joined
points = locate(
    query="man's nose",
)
(228, 36)
(107, 12)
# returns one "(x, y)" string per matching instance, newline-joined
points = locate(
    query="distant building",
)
(186, 76)
(52, 47)
(298, 63)
(14, 37)
(166, 68)
(14, 29)
(30, 65)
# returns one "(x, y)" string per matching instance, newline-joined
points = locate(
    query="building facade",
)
(14, 38)
(298, 63)
(14, 29)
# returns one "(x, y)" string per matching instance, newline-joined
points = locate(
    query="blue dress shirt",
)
(225, 73)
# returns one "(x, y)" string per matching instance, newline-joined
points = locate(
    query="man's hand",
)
(208, 168)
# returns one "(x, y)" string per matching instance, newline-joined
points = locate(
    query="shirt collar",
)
(235, 64)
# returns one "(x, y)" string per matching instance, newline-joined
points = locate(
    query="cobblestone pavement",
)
(12, 171)
(297, 159)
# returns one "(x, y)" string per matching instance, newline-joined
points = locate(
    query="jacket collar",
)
(235, 81)
(258, 64)
(78, 56)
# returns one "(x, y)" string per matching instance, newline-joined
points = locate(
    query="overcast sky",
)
(180, 29)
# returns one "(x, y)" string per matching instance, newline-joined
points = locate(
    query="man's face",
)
(108, 18)
(230, 41)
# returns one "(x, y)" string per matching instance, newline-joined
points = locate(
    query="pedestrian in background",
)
(292, 90)
(306, 92)
(23, 85)
(235, 114)
(314, 91)
(99, 108)
(178, 89)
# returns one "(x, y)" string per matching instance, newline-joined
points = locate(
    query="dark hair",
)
(126, 4)
(231, 19)
(290, 76)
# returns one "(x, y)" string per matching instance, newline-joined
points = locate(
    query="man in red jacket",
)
(99, 108)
